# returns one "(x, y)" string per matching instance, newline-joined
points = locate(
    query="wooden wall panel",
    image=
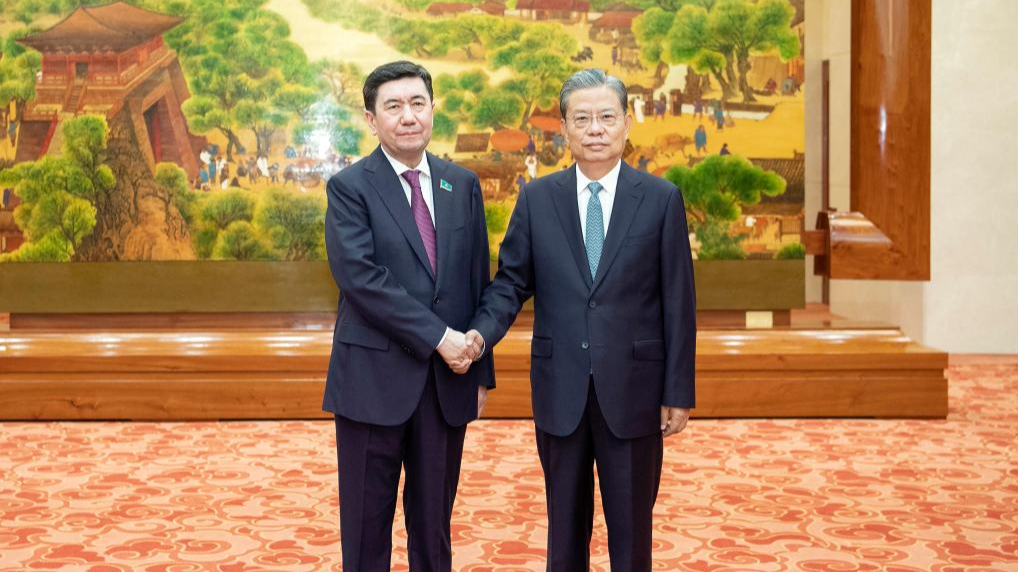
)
(251, 374)
(890, 131)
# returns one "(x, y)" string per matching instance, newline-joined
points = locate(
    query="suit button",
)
(585, 345)
(437, 299)
(592, 304)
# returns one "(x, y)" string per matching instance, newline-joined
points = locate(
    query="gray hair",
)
(588, 78)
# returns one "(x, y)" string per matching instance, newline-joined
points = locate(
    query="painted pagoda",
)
(108, 60)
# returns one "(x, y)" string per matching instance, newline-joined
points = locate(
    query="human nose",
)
(406, 115)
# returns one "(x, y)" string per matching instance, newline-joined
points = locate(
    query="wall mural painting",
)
(206, 129)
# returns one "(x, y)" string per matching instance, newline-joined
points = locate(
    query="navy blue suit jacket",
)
(393, 310)
(632, 327)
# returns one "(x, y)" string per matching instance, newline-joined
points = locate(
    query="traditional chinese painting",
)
(207, 129)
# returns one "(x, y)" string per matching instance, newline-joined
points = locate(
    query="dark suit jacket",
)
(393, 310)
(633, 327)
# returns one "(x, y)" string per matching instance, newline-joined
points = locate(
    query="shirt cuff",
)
(445, 335)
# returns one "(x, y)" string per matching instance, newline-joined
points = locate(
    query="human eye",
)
(392, 107)
(581, 120)
(608, 118)
(418, 104)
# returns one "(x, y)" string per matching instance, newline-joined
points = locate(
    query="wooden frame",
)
(229, 286)
(890, 136)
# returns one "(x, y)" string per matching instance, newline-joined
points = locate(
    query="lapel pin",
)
(446, 185)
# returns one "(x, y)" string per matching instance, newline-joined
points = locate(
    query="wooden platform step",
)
(262, 374)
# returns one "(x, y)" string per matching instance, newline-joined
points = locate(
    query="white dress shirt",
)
(607, 196)
(426, 190)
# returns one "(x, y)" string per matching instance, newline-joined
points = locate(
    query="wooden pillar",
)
(890, 129)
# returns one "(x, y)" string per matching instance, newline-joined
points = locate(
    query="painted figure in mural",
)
(604, 250)
(638, 107)
(724, 150)
(408, 247)
(531, 163)
(698, 108)
(788, 86)
(700, 139)
(660, 107)
(558, 142)
(719, 114)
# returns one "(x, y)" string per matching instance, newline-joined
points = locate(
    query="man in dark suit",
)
(604, 250)
(408, 248)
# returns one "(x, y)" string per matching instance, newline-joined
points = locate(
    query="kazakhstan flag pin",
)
(446, 185)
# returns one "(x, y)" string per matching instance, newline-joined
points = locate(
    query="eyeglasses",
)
(604, 119)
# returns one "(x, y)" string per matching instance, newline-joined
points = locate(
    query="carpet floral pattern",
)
(737, 495)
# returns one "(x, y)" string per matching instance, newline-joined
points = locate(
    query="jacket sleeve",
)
(678, 297)
(369, 287)
(480, 269)
(514, 281)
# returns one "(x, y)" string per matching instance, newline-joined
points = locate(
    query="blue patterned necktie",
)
(595, 228)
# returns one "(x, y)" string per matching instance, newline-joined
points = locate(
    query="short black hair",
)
(391, 72)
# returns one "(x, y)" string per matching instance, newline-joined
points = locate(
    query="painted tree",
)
(241, 241)
(18, 68)
(483, 33)
(539, 62)
(297, 100)
(215, 213)
(293, 222)
(469, 98)
(715, 190)
(685, 37)
(237, 58)
(60, 194)
(174, 190)
(755, 27)
(344, 80)
(260, 113)
(719, 38)
(419, 37)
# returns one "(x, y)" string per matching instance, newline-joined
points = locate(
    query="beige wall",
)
(971, 302)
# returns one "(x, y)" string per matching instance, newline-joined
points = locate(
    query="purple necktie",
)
(422, 216)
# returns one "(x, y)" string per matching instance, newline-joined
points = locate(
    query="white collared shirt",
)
(609, 182)
(426, 190)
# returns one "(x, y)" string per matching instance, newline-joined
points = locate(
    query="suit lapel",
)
(627, 200)
(444, 217)
(564, 198)
(387, 185)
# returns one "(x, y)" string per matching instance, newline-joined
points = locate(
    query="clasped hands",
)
(459, 350)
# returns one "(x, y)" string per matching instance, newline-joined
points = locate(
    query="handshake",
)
(459, 350)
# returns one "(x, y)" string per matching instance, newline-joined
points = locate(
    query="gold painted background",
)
(191, 130)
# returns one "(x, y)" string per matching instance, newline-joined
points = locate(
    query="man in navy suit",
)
(604, 250)
(408, 248)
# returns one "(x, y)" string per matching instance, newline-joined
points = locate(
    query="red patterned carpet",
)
(813, 495)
